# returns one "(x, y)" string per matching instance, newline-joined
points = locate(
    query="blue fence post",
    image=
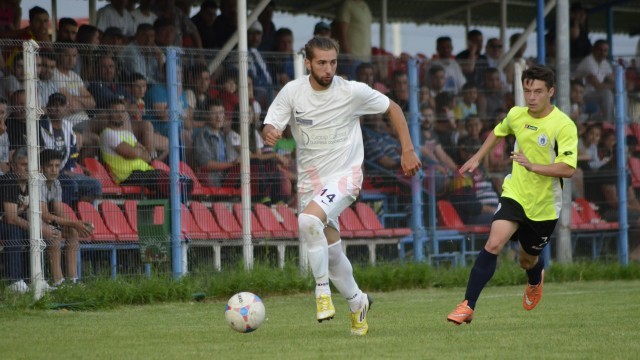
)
(416, 181)
(173, 84)
(623, 239)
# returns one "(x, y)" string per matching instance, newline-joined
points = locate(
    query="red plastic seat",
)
(68, 211)
(204, 219)
(590, 215)
(634, 169)
(577, 221)
(159, 165)
(351, 227)
(270, 222)
(371, 221)
(189, 226)
(88, 213)
(452, 221)
(201, 190)
(257, 231)
(289, 218)
(131, 213)
(226, 220)
(96, 170)
(116, 222)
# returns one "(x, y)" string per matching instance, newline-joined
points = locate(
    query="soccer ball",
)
(245, 312)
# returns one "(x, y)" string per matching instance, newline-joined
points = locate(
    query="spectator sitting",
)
(142, 55)
(186, 33)
(15, 80)
(467, 106)
(14, 226)
(281, 61)
(262, 80)
(365, 73)
(67, 30)
(17, 120)
(435, 81)
(53, 213)
(576, 97)
(432, 151)
(4, 137)
(196, 91)
(472, 128)
(473, 194)
(400, 89)
(491, 99)
(88, 40)
(498, 162)
(518, 57)
(38, 30)
(46, 85)
(454, 78)
(588, 149)
(57, 134)
(127, 159)
(380, 144)
(597, 75)
(493, 52)
(446, 126)
(72, 86)
(209, 145)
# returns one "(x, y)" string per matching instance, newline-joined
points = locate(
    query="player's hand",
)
(271, 135)
(521, 159)
(470, 166)
(410, 162)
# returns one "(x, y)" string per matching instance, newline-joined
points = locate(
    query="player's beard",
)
(320, 80)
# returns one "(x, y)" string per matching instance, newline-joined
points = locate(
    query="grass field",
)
(578, 320)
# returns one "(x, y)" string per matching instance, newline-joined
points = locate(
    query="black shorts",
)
(532, 235)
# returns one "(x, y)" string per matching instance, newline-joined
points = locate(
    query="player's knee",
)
(310, 227)
(527, 262)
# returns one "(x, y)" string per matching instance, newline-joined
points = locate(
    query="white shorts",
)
(333, 198)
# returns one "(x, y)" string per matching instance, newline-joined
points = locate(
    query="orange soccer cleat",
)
(462, 313)
(532, 294)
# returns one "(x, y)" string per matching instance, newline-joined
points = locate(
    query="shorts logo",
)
(543, 140)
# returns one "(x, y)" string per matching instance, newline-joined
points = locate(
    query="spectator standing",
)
(322, 29)
(143, 14)
(353, 32)
(10, 15)
(580, 45)
(186, 34)
(204, 20)
(226, 23)
(4, 137)
(471, 60)
(269, 29)
(116, 15)
(493, 52)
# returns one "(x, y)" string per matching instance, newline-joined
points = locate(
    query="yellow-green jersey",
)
(545, 141)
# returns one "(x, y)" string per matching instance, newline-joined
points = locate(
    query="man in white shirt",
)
(454, 77)
(116, 15)
(323, 111)
(597, 75)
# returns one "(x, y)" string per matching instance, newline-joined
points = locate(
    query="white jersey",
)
(326, 127)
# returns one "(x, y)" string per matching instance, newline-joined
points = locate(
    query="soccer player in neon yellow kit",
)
(323, 111)
(545, 152)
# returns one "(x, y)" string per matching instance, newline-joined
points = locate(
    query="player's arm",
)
(409, 160)
(472, 164)
(558, 169)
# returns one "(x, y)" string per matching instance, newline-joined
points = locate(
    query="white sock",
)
(312, 233)
(341, 274)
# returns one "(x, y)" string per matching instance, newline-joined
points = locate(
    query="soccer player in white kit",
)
(323, 111)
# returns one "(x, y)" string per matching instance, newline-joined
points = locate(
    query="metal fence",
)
(143, 168)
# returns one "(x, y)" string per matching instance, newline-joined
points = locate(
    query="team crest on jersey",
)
(543, 140)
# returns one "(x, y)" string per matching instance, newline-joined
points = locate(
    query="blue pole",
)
(416, 181)
(610, 31)
(540, 32)
(173, 83)
(623, 239)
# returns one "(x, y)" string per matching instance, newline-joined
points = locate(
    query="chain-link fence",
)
(120, 129)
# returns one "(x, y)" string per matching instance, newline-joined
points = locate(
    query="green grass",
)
(579, 320)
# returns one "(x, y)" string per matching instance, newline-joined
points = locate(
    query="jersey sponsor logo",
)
(543, 140)
(530, 127)
(304, 121)
(567, 153)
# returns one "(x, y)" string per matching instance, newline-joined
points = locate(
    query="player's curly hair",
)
(320, 43)
(540, 72)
